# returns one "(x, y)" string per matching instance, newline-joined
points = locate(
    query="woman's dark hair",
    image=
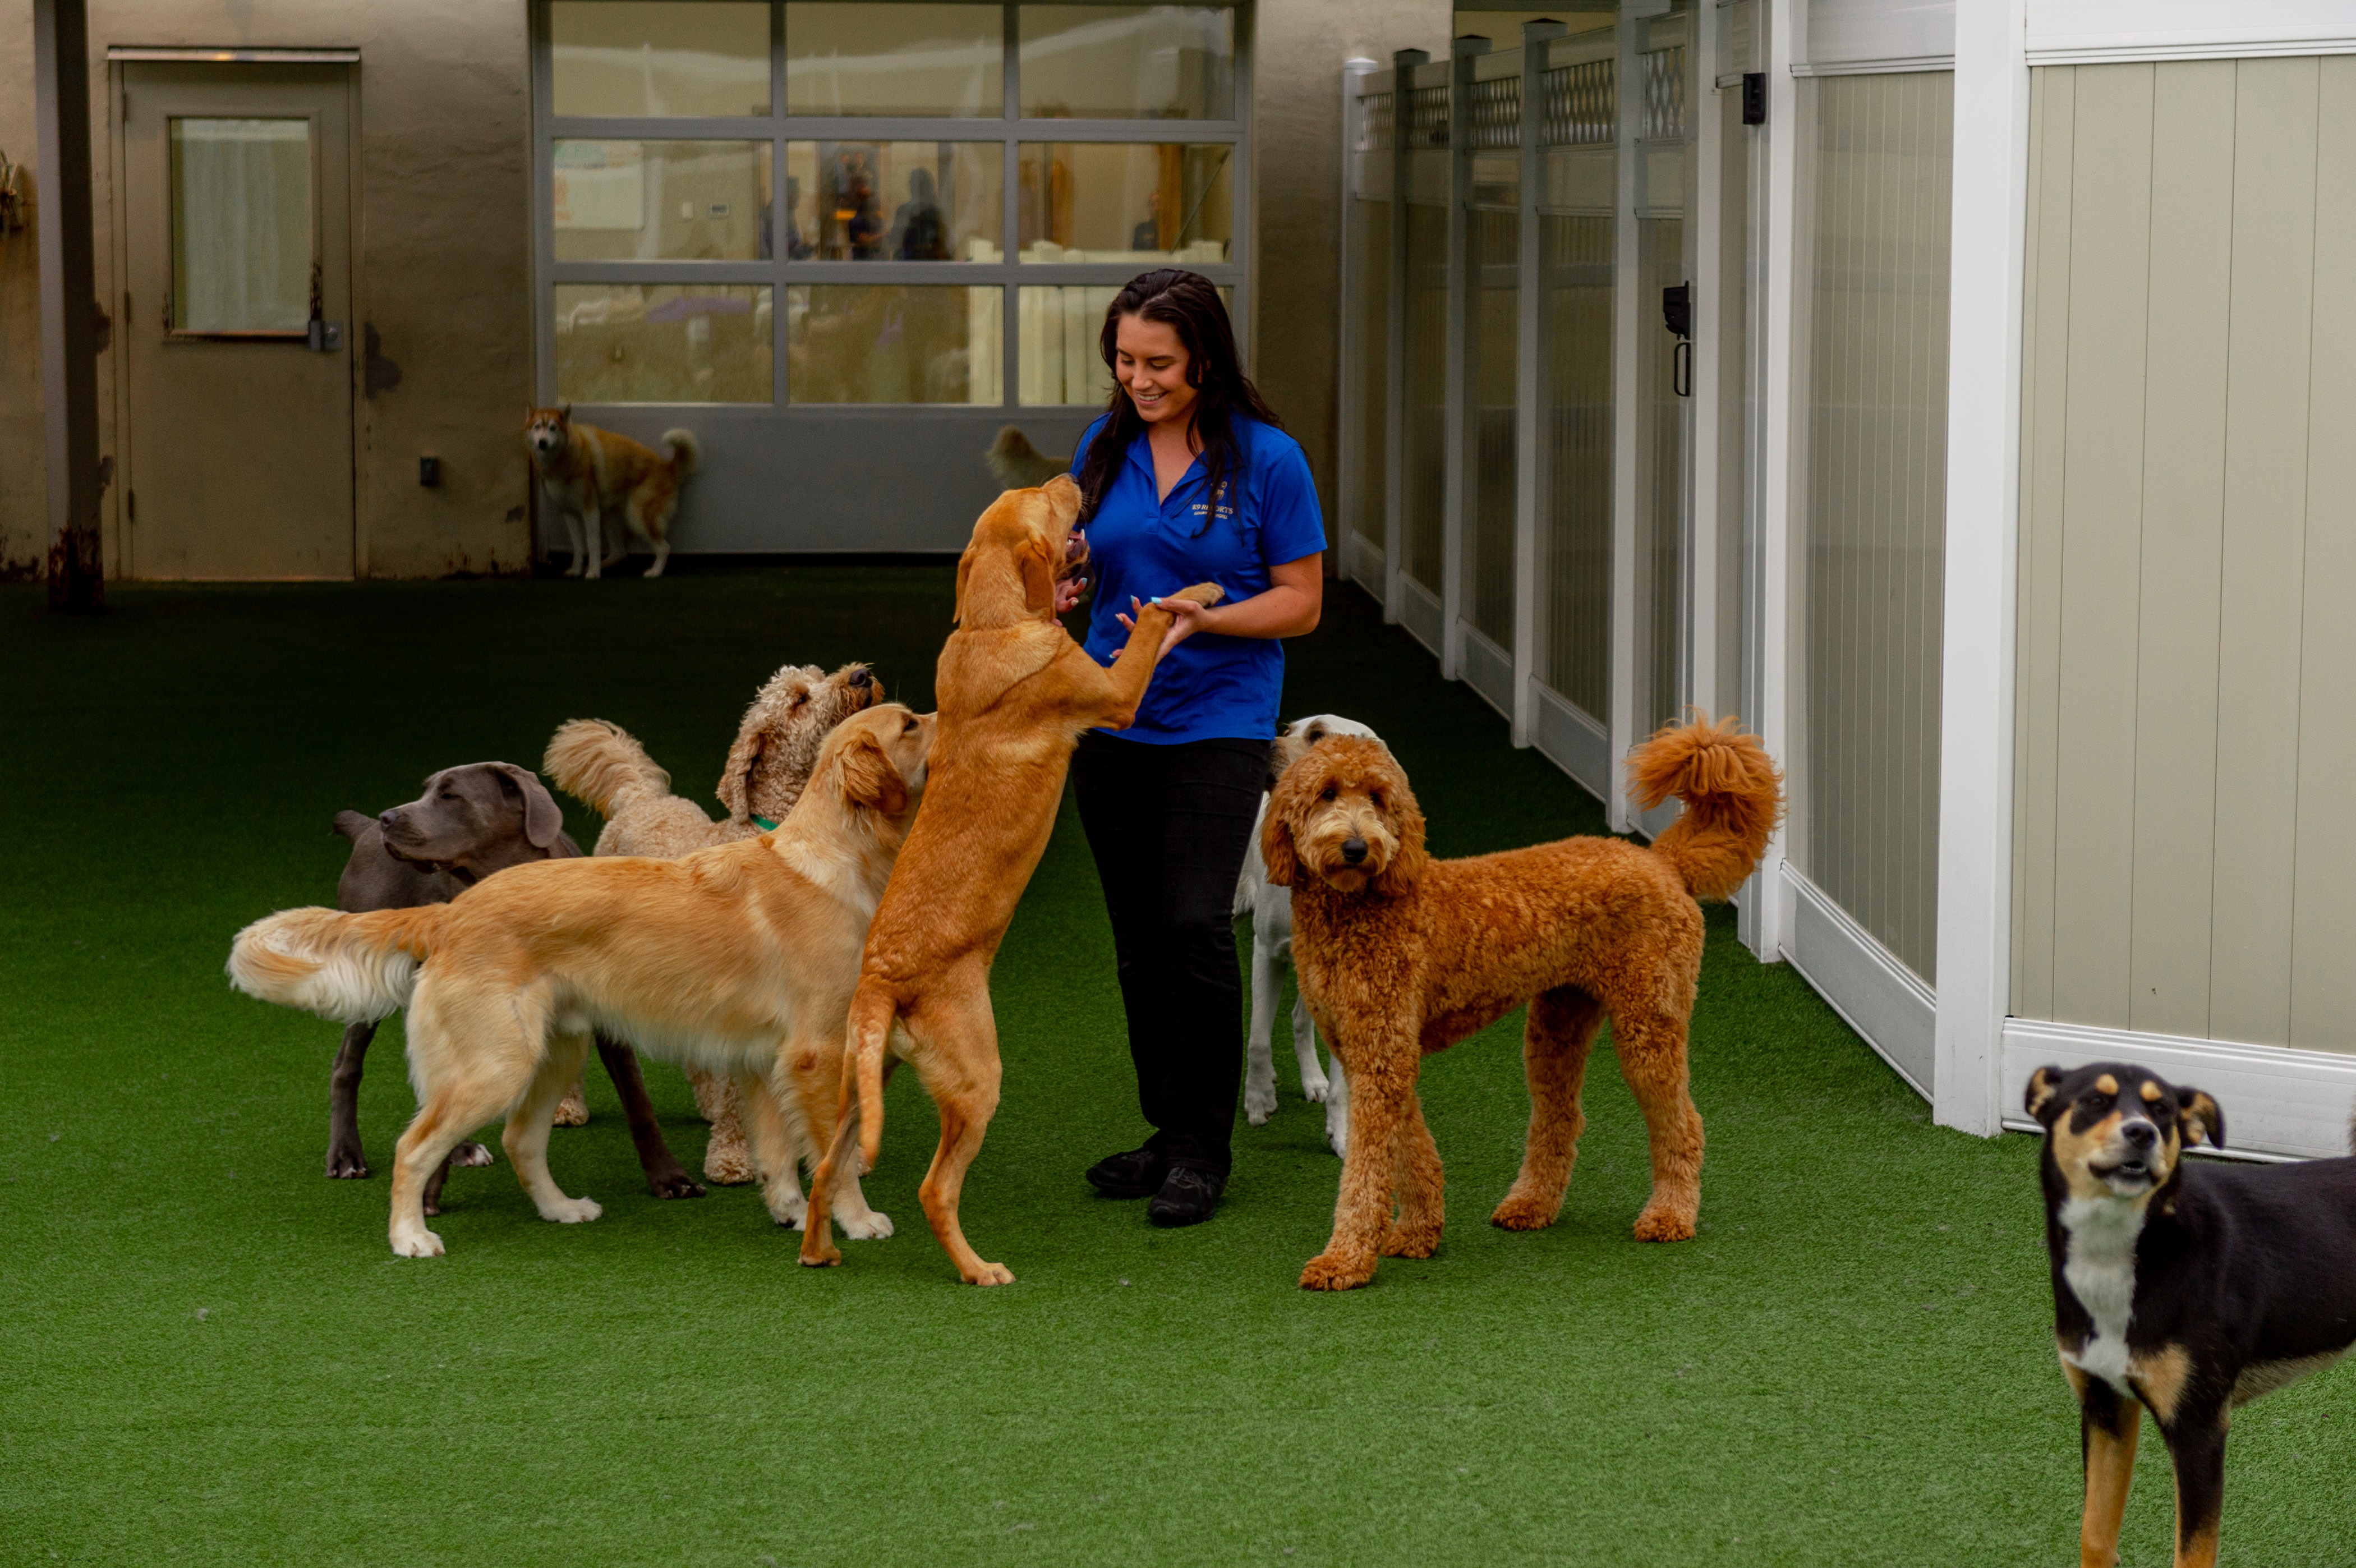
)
(1188, 304)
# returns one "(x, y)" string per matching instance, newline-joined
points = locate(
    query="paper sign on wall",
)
(600, 184)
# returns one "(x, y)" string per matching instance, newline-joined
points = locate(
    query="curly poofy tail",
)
(602, 766)
(355, 969)
(1733, 797)
(686, 451)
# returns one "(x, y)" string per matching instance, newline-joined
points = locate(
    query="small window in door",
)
(242, 235)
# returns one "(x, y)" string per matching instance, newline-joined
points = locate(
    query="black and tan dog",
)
(2187, 1288)
(469, 822)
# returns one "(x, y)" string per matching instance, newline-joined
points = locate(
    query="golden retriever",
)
(1401, 956)
(603, 765)
(741, 957)
(1015, 693)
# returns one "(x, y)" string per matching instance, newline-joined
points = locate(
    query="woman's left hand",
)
(1186, 619)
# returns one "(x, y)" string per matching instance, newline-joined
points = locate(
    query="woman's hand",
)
(1068, 590)
(1186, 619)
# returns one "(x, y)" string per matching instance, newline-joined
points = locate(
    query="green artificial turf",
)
(208, 1354)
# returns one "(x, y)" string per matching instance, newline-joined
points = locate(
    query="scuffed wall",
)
(24, 469)
(1297, 152)
(442, 220)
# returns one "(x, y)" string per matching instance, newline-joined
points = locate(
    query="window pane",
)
(1101, 201)
(662, 343)
(859, 343)
(1062, 330)
(241, 225)
(908, 201)
(1128, 62)
(659, 56)
(895, 60)
(662, 201)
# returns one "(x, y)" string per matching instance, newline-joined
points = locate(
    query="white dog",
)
(1271, 911)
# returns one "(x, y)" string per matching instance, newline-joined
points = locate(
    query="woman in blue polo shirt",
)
(1186, 478)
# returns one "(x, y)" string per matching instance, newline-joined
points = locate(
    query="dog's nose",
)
(861, 678)
(389, 820)
(1354, 850)
(2142, 1134)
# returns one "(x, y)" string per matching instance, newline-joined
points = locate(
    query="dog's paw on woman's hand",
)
(1203, 594)
(1326, 1271)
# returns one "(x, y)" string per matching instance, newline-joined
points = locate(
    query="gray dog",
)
(469, 822)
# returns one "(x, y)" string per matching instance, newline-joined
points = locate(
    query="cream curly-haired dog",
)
(1401, 956)
(603, 765)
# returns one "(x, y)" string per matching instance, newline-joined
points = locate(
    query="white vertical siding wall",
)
(1870, 394)
(2185, 854)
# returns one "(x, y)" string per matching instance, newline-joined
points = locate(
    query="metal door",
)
(238, 274)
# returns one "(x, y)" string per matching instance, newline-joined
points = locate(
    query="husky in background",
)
(591, 476)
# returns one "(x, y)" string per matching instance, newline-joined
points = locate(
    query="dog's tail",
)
(603, 765)
(355, 969)
(1017, 464)
(1733, 797)
(868, 1035)
(686, 451)
(352, 824)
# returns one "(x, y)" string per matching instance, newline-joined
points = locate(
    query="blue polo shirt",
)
(1210, 687)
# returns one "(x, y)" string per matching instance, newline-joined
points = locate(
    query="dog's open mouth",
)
(2134, 1172)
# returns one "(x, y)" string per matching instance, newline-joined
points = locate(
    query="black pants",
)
(1168, 826)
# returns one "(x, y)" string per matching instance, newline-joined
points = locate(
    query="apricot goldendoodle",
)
(1401, 956)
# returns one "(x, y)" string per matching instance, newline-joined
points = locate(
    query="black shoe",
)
(1188, 1196)
(1136, 1174)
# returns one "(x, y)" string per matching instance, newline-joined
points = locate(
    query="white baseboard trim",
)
(1419, 612)
(1572, 741)
(2277, 1100)
(1362, 562)
(1488, 669)
(1880, 998)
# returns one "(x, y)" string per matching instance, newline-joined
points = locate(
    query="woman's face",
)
(1150, 365)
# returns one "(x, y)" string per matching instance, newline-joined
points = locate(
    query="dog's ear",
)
(1294, 788)
(564, 415)
(2038, 1097)
(965, 569)
(736, 773)
(1405, 868)
(542, 820)
(1276, 851)
(1282, 753)
(1038, 576)
(870, 779)
(1063, 499)
(2203, 1122)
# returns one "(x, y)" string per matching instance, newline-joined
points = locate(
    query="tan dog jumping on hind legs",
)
(1015, 693)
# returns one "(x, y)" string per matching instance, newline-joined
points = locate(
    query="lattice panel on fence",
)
(1581, 104)
(1374, 122)
(1494, 112)
(1426, 116)
(1665, 93)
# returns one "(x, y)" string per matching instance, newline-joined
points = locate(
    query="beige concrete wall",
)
(24, 470)
(1297, 217)
(443, 269)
